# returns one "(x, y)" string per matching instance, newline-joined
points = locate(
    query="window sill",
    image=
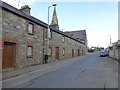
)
(29, 56)
(31, 33)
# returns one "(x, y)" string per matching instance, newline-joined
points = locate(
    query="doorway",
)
(9, 55)
(57, 53)
(78, 52)
(72, 52)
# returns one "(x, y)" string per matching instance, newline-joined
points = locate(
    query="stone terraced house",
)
(23, 39)
(82, 36)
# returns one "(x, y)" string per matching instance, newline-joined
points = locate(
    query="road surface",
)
(90, 72)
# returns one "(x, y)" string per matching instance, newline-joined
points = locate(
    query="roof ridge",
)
(34, 19)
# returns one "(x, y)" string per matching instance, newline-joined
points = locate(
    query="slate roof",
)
(33, 19)
(81, 34)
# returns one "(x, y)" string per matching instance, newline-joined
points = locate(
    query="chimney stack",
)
(26, 9)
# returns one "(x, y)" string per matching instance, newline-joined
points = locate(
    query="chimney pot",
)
(26, 9)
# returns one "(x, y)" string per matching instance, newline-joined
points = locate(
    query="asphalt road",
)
(90, 72)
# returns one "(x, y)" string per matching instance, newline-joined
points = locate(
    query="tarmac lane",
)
(90, 72)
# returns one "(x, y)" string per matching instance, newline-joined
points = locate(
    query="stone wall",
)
(15, 30)
(114, 52)
(67, 45)
(0, 38)
(0, 46)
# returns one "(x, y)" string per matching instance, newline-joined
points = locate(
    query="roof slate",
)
(33, 19)
(80, 34)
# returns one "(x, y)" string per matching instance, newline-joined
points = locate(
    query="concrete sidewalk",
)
(17, 72)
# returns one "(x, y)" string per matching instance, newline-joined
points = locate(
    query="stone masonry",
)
(14, 29)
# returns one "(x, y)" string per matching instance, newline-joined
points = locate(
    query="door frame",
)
(78, 52)
(57, 48)
(9, 40)
(72, 52)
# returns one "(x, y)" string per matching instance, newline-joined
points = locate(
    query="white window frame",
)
(30, 51)
(30, 28)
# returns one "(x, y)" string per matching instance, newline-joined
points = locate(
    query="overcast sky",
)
(100, 19)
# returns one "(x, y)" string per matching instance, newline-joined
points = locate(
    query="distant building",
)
(114, 51)
(80, 35)
(24, 39)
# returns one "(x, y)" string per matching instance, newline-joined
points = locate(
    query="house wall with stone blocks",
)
(14, 30)
(67, 45)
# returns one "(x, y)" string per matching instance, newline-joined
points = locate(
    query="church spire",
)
(54, 21)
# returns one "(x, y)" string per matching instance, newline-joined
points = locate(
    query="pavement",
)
(16, 74)
(92, 71)
(16, 77)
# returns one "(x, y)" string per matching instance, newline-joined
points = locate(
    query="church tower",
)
(54, 22)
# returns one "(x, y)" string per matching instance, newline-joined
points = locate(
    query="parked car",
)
(91, 50)
(104, 53)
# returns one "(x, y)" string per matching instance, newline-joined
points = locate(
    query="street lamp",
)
(110, 39)
(48, 35)
(48, 20)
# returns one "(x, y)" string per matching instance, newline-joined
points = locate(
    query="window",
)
(63, 39)
(30, 28)
(50, 51)
(69, 51)
(63, 51)
(30, 51)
